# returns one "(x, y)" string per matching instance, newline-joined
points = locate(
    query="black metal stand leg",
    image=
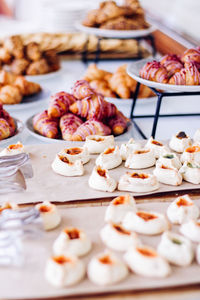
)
(85, 53)
(134, 99)
(98, 50)
(160, 96)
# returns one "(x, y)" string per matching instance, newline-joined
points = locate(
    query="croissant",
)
(118, 123)
(154, 71)
(172, 63)
(192, 55)
(82, 89)
(94, 73)
(19, 66)
(101, 86)
(7, 77)
(118, 83)
(68, 125)
(27, 87)
(6, 116)
(14, 45)
(45, 125)
(59, 104)
(5, 56)
(33, 52)
(10, 94)
(91, 127)
(5, 130)
(38, 67)
(187, 76)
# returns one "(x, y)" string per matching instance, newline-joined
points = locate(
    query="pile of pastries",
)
(173, 69)
(7, 124)
(109, 15)
(75, 116)
(27, 59)
(118, 84)
(13, 88)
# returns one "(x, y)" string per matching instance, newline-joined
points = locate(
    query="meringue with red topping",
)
(97, 143)
(158, 147)
(14, 149)
(110, 158)
(101, 180)
(50, 215)
(191, 154)
(127, 148)
(76, 153)
(180, 142)
(167, 175)
(140, 159)
(63, 166)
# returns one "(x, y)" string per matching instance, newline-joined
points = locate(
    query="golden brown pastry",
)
(59, 104)
(32, 51)
(10, 94)
(118, 123)
(5, 56)
(192, 55)
(45, 125)
(69, 123)
(90, 19)
(102, 87)
(7, 77)
(38, 67)
(19, 66)
(14, 45)
(93, 73)
(125, 23)
(134, 5)
(52, 60)
(118, 83)
(26, 87)
(187, 76)
(7, 124)
(172, 63)
(154, 71)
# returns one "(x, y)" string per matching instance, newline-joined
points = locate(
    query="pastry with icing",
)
(64, 270)
(182, 209)
(110, 158)
(167, 175)
(145, 222)
(140, 159)
(191, 172)
(76, 153)
(169, 159)
(127, 148)
(158, 147)
(191, 230)
(191, 154)
(13, 149)
(138, 182)
(176, 249)
(106, 268)
(63, 166)
(50, 215)
(101, 180)
(118, 208)
(97, 143)
(145, 261)
(72, 241)
(180, 142)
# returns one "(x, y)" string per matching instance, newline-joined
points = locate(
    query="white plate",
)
(46, 76)
(29, 102)
(134, 68)
(15, 138)
(29, 126)
(111, 33)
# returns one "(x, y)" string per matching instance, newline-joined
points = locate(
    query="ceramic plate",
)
(38, 78)
(15, 138)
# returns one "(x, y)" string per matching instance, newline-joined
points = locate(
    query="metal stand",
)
(149, 38)
(160, 95)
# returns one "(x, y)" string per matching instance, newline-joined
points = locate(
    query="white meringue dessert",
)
(145, 222)
(118, 208)
(170, 160)
(158, 147)
(64, 271)
(50, 215)
(63, 166)
(176, 249)
(140, 159)
(101, 180)
(138, 182)
(117, 238)
(147, 262)
(167, 175)
(72, 241)
(14, 149)
(106, 268)
(196, 136)
(76, 153)
(191, 154)
(97, 143)
(180, 142)
(191, 230)
(191, 172)
(182, 209)
(8, 205)
(110, 158)
(127, 148)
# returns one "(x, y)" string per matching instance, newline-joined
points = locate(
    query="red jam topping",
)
(98, 139)
(109, 150)
(101, 172)
(105, 260)
(141, 151)
(183, 202)
(65, 160)
(73, 233)
(146, 252)
(15, 146)
(121, 229)
(45, 208)
(61, 259)
(193, 149)
(139, 175)
(119, 200)
(156, 143)
(146, 216)
(73, 151)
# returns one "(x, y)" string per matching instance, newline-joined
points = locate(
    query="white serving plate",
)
(29, 102)
(29, 126)
(134, 68)
(47, 76)
(16, 137)
(111, 33)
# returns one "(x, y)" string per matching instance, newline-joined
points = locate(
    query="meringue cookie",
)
(158, 147)
(146, 261)
(64, 271)
(106, 268)
(140, 159)
(110, 158)
(118, 208)
(169, 160)
(97, 143)
(167, 175)
(127, 148)
(145, 222)
(196, 136)
(191, 172)
(182, 209)
(191, 154)
(8, 205)
(63, 166)
(176, 249)
(76, 153)
(179, 142)
(49, 214)
(198, 254)
(191, 230)
(100, 180)
(138, 182)
(117, 238)
(13, 149)
(72, 241)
